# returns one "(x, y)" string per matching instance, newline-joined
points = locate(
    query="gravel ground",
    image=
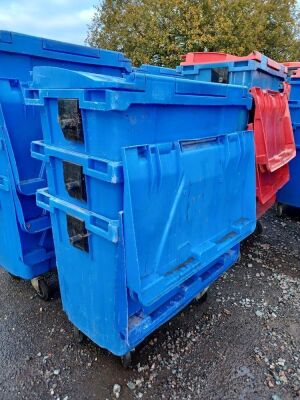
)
(242, 343)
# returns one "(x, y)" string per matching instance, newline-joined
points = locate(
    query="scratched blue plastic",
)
(249, 73)
(26, 245)
(290, 193)
(174, 225)
(145, 108)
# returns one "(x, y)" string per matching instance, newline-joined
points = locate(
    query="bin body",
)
(141, 173)
(290, 193)
(270, 118)
(26, 244)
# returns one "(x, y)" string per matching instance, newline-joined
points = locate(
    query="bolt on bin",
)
(290, 194)
(26, 244)
(141, 171)
(270, 118)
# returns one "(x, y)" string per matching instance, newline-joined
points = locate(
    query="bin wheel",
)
(14, 277)
(279, 210)
(259, 228)
(78, 335)
(41, 287)
(126, 360)
(202, 296)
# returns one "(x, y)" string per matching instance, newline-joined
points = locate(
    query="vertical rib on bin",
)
(274, 139)
(26, 247)
(141, 171)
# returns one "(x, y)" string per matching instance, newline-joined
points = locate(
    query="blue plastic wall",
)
(295, 89)
(167, 238)
(249, 73)
(26, 247)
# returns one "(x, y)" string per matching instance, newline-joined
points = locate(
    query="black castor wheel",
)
(279, 209)
(41, 288)
(202, 296)
(259, 228)
(126, 360)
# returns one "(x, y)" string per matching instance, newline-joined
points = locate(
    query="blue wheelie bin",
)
(151, 190)
(26, 244)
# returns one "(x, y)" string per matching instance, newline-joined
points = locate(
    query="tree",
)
(160, 31)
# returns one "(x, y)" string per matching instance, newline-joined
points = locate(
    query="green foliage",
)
(159, 31)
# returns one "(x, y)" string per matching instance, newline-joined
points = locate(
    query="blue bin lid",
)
(157, 88)
(18, 43)
(254, 61)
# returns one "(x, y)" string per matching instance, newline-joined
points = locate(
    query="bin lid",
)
(155, 88)
(52, 49)
(215, 57)
(292, 64)
(211, 57)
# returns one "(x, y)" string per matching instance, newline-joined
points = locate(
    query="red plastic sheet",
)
(273, 131)
(261, 209)
(267, 185)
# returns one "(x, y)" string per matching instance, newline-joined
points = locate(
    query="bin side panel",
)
(175, 197)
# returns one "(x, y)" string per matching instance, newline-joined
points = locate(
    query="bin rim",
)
(193, 58)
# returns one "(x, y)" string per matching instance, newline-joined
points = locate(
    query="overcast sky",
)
(64, 20)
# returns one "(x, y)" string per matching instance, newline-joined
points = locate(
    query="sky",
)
(64, 20)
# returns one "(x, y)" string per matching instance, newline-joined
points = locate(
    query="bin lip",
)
(193, 58)
(19, 43)
(292, 64)
(216, 57)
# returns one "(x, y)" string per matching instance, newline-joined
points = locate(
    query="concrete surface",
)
(243, 343)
